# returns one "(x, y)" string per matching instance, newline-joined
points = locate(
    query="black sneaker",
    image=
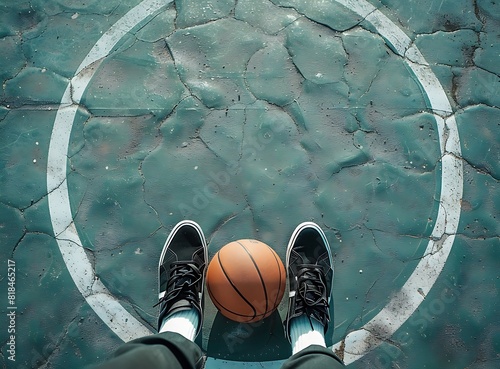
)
(181, 271)
(310, 275)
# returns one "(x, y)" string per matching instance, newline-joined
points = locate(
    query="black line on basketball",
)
(219, 305)
(232, 284)
(258, 271)
(279, 285)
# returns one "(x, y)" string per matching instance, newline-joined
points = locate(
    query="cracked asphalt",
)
(249, 117)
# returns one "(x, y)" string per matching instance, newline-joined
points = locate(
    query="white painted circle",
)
(357, 343)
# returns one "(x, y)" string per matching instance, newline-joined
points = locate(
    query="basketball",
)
(246, 280)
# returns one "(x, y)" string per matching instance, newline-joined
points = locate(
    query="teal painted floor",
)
(378, 120)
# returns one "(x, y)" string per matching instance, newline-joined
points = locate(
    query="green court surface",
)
(378, 120)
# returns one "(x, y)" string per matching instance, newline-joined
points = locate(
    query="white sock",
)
(302, 335)
(184, 322)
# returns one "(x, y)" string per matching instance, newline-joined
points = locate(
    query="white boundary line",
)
(406, 301)
(357, 343)
(107, 307)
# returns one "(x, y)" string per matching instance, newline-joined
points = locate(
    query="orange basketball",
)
(246, 280)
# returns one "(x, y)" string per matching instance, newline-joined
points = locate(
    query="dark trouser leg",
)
(160, 351)
(313, 357)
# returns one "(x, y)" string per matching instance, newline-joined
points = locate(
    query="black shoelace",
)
(311, 296)
(182, 283)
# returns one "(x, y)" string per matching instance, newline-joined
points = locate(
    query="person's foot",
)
(181, 271)
(310, 275)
